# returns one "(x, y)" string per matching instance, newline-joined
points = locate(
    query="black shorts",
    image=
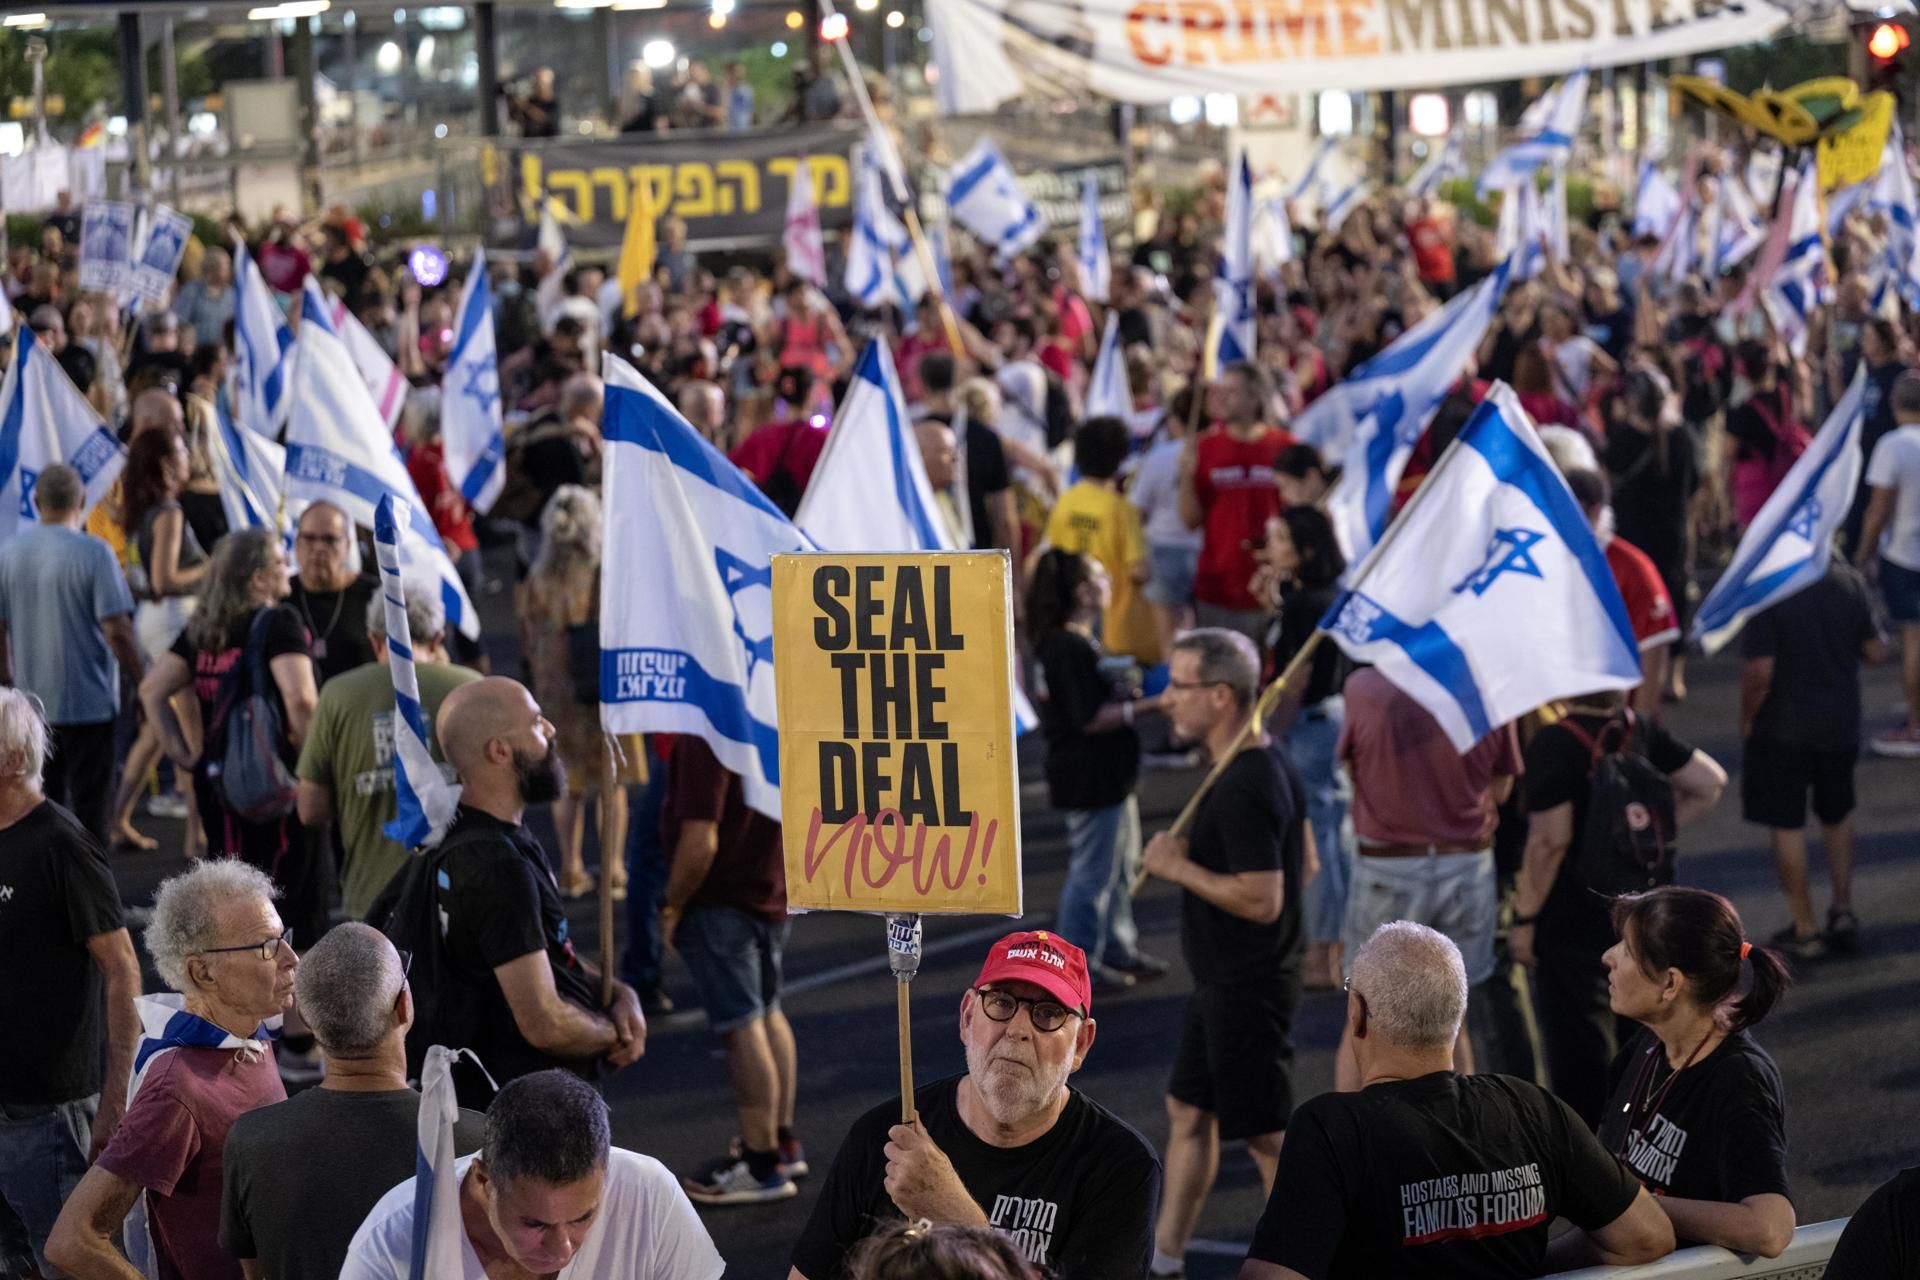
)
(1235, 1057)
(1776, 779)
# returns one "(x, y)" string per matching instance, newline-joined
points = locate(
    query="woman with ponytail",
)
(1697, 1112)
(1093, 761)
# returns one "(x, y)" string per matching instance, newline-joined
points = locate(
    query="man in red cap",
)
(1009, 1144)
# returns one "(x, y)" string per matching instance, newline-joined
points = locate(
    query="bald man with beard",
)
(504, 980)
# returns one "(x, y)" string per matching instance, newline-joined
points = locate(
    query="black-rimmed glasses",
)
(268, 949)
(1046, 1015)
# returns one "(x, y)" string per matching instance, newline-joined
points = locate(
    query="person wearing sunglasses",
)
(1009, 1144)
(205, 1057)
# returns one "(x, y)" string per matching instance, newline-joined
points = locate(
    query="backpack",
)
(1627, 846)
(447, 1009)
(243, 749)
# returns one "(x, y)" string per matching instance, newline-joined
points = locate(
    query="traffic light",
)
(1887, 44)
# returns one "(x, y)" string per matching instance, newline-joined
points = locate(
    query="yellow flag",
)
(636, 249)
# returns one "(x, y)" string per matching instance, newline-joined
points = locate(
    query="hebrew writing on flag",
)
(43, 420)
(262, 345)
(1787, 547)
(470, 417)
(424, 798)
(987, 200)
(703, 536)
(339, 451)
(1491, 595)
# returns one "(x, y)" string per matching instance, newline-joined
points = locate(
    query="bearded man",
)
(1010, 1144)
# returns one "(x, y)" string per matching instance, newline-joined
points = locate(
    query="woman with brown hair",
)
(922, 1251)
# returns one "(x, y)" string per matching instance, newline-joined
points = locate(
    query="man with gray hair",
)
(293, 1219)
(549, 1192)
(66, 635)
(63, 946)
(1428, 1173)
(1240, 869)
(346, 762)
(204, 1059)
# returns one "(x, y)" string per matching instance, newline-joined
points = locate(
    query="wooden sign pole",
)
(903, 957)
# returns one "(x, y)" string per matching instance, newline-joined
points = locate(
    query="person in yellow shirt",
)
(1093, 518)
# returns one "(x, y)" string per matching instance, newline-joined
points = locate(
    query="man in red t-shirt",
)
(1656, 627)
(1431, 241)
(1227, 491)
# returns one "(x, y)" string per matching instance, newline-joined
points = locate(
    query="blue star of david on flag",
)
(1807, 519)
(1508, 551)
(482, 384)
(736, 576)
(28, 479)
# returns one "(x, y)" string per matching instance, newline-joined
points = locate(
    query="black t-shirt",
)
(1613, 331)
(337, 621)
(1442, 1176)
(1084, 770)
(1080, 1199)
(1717, 1132)
(549, 459)
(1882, 1239)
(297, 1214)
(285, 634)
(1301, 609)
(350, 273)
(56, 892)
(1814, 638)
(1650, 497)
(1507, 345)
(1559, 769)
(987, 475)
(1250, 821)
(499, 903)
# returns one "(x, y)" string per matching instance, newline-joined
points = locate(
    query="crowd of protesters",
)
(1168, 562)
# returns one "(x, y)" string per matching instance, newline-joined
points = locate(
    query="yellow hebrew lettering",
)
(576, 181)
(533, 189)
(693, 190)
(832, 180)
(659, 180)
(743, 172)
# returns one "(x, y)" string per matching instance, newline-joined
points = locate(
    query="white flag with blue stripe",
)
(1310, 177)
(939, 244)
(1558, 114)
(439, 1236)
(986, 199)
(1096, 268)
(252, 473)
(682, 517)
(1893, 197)
(1446, 162)
(261, 350)
(339, 451)
(425, 799)
(385, 382)
(1735, 228)
(1233, 278)
(869, 491)
(470, 398)
(1342, 202)
(1492, 596)
(1403, 394)
(877, 242)
(1108, 394)
(1794, 290)
(1787, 547)
(1656, 202)
(43, 420)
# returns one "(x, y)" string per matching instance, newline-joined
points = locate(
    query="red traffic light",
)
(1888, 40)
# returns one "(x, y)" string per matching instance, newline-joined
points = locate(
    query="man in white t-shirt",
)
(1893, 511)
(548, 1195)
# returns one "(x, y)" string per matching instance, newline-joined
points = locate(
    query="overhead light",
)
(1429, 115)
(795, 20)
(779, 49)
(896, 19)
(290, 9)
(833, 27)
(387, 59)
(657, 54)
(866, 6)
(628, 6)
(722, 7)
(582, 4)
(717, 20)
(25, 21)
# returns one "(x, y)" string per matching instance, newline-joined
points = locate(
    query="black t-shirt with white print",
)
(1443, 1176)
(1718, 1132)
(1079, 1201)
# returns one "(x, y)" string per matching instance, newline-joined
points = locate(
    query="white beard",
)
(1009, 1093)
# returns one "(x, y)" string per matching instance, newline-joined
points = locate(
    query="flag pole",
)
(613, 844)
(903, 958)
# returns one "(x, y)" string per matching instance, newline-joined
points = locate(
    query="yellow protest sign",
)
(899, 789)
(1853, 154)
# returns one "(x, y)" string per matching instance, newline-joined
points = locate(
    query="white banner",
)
(1151, 50)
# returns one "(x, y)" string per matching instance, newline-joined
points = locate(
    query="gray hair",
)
(59, 490)
(1414, 984)
(569, 531)
(186, 912)
(345, 989)
(426, 616)
(549, 1126)
(1226, 657)
(1906, 399)
(226, 593)
(23, 738)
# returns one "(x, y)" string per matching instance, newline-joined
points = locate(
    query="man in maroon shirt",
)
(1425, 816)
(1227, 491)
(726, 911)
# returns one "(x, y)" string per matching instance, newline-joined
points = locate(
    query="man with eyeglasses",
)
(1009, 1144)
(205, 1058)
(331, 598)
(292, 1217)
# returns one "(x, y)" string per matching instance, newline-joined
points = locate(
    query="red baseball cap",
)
(1047, 960)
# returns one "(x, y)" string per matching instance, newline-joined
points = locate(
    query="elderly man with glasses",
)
(293, 1219)
(1009, 1144)
(205, 1058)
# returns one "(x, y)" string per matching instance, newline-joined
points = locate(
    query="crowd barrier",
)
(1805, 1259)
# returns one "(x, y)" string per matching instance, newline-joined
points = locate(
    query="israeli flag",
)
(385, 382)
(1108, 394)
(438, 1233)
(1556, 210)
(1551, 125)
(1447, 162)
(1343, 202)
(1272, 235)
(1656, 202)
(43, 420)
(1893, 197)
(1402, 395)
(939, 245)
(1315, 162)
(338, 451)
(1677, 254)
(986, 199)
(870, 491)
(1095, 266)
(1793, 291)
(425, 798)
(1523, 224)
(1737, 228)
(252, 473)
(1786, 548)
(877, 241)
(552, 241)
(470, 416)
(681, 515)
(1492, 595)
(1233, 278)
(261, 350)
(1845, 201)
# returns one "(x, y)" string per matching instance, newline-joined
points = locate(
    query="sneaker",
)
(1843, 932)
(167, 805)
(1787, 942)
(300, 1068)
(1111, 982)
(793, 1156)
(1903, 743)
(1141, 966)
(654, 1001)
(730, 1181)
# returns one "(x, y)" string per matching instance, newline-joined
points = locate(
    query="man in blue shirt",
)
(739, 97)
(66, 632)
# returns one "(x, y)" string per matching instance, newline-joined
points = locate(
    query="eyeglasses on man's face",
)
(1046, 1015)
(267, 949)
